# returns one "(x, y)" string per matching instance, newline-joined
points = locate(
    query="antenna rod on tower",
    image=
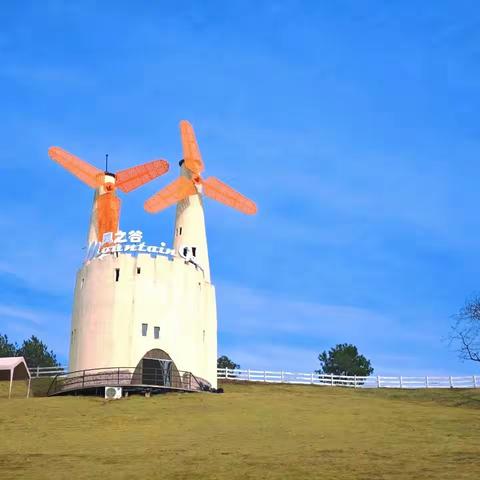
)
(106, 162)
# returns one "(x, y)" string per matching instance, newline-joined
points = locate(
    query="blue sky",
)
(353, 125)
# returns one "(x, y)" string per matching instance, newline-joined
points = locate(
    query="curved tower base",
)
(129, 308)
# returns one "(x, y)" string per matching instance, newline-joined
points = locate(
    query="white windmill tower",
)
(190, 239)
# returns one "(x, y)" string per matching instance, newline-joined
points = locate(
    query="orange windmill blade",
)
(221, 192)
(211, 187)
(108, 213)
(174, 192)
(134, 177)
(85, 172)
(107, 201)
(191, 152)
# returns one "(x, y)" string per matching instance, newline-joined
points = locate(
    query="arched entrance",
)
(157, 368)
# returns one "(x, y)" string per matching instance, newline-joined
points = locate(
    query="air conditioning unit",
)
(113, 393)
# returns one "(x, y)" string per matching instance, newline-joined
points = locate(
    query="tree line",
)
(342, 359)
(33, 350)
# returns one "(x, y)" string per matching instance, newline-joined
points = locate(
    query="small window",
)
(144, 329)
(139, 269)
(82, 283)
(194, 251)
(180, 230)
(117, 274)
(156, 332)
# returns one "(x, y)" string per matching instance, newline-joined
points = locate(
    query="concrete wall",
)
(171, 294)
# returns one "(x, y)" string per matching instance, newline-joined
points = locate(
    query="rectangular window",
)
(144, 329)
(139, 270)
(156, 332)
(180, 230)
(117, 274)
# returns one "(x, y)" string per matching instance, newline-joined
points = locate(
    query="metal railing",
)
(127, 377)
(268, 376)
(379, 381)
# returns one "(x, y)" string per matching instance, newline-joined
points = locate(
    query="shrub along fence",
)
(269, 376)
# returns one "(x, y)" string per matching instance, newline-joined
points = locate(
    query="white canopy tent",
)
(14, 368)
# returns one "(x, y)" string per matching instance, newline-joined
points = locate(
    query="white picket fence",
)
(378, 381)
(37, 372)
(268, 376)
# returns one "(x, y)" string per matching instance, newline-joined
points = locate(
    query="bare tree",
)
(465, 332)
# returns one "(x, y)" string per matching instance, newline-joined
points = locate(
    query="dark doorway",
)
(157, 372)
(157, 359)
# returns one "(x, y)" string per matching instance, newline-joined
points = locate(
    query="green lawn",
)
(252, 431)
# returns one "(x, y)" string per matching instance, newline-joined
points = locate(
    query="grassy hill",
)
(252, 431)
